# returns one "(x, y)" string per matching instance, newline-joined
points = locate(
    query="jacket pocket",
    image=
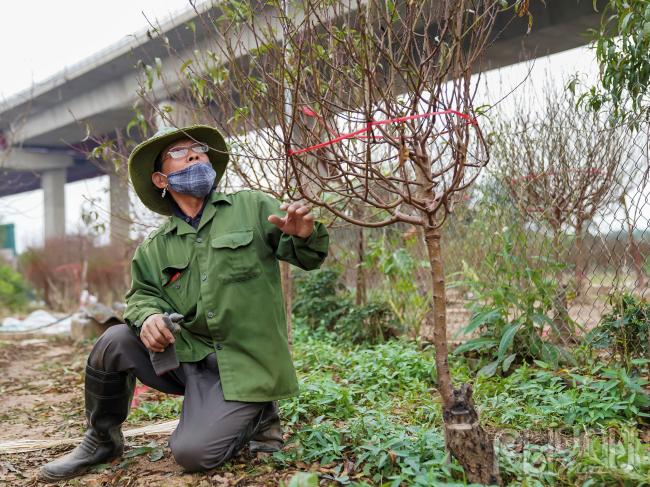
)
(175, 283)
(236, 257)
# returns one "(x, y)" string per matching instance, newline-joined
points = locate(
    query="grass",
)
(371, 416)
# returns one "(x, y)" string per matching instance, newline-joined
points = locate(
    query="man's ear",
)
(159, 180)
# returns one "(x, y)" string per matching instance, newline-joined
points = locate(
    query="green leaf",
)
(136, 452)
(156, 454)
(541, 319)
(506, 339)
(550, 354)
(489, 369)
(392, 11)
(475, 344)
(304, 479)
(482, 318)
(186, 64)
(507, 362)
(639, 361)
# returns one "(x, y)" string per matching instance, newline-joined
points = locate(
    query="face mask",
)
(195, 180)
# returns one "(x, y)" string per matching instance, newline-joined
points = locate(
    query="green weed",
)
(374, 414)
(167, 409)
(625, 331)
(511, 309)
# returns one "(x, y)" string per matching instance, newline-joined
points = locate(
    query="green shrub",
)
(374, 322)
(14, 291)
(322, 302)
(625, 331)
(163, 410)
(320, 299)
(511, 308)
(399, 288)
(374, 413)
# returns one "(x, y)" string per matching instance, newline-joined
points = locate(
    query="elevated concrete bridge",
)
(49, 120)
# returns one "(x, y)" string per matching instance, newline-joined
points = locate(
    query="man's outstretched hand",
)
(298, 221)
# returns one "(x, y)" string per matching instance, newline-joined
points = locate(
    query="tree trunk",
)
(465, 439)
(635, 252)
(561, 319)
(287, 291)
(361, 295)
(580, 260)
(563, 331)
(637, 261)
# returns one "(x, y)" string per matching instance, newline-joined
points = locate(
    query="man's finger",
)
(153, 345)
(303, 210)
(157, 338)
(284, 206)
(164, 331)
(292, 208)
(144, 337)
(276, 220)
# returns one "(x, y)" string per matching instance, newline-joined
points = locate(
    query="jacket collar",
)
(183, 228)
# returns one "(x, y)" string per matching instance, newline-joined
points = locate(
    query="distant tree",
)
(561, 165)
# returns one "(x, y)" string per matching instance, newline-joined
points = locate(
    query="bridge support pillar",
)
(53, 184)
(119, 196)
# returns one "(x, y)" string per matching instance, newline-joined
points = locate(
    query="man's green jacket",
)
(224, 279)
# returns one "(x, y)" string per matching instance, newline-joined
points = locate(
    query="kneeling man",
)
(215, 262)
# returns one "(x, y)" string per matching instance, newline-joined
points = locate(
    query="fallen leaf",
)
(156, 454)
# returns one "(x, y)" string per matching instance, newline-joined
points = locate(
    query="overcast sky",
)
(46, 36)
(40, 37)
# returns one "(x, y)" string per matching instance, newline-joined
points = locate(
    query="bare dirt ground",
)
(41, 397)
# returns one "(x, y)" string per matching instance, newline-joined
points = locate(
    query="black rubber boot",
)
(268, 438)
(108, 397)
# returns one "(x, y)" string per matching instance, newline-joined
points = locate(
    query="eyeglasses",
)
(179, 152)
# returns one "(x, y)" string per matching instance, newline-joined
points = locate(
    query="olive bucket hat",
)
(143, 159)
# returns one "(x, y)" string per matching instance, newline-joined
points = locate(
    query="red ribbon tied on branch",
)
(357, 133)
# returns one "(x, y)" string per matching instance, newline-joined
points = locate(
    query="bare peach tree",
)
(561, 164)
(364, 109)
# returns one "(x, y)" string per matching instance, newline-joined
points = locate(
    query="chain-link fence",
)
(541, 261)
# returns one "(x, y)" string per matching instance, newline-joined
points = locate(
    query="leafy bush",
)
(322, 302)
(399, 290)
(14, 291)
(373, 322)
(625, 330)
(320, 299)
(538, 398)
(511, 309)
(368, 408)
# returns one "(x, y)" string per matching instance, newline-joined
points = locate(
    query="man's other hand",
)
(298, 221)
(155, 335)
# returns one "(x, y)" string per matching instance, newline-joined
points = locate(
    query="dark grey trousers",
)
(211, 430)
